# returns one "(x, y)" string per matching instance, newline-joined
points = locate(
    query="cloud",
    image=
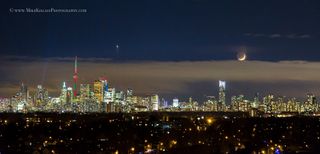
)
(26, 58)
(305, 36)
(275, 35)
(186, 78)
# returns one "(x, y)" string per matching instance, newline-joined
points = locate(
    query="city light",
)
(100, 97)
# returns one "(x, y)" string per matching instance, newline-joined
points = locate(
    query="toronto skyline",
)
(160, 76)
(169, 79)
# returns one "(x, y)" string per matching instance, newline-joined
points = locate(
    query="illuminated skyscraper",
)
(24, 93)
(129, 92)
(84, 91)
(63, 94)
(255, 103)
(282, 104)
(238, 103)
(269, 102)
(311, 104)
(108, 104)
(163, 103)
(22, 98)
(110, 95)
(222, 95)
(119, 96)
(100, 88)
(234, 103)
(41, 97)
(155, 102)
(175, 102)
(311, 98)
(292, 105)
(70, 95)
(211, 104)
(129, 96)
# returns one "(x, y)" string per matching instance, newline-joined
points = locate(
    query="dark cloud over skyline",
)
(276, 35)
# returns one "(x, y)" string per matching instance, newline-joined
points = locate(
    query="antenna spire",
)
(75, 77)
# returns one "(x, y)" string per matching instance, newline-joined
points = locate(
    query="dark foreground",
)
(157, 133)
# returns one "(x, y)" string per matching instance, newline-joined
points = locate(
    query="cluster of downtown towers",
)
(101, 97)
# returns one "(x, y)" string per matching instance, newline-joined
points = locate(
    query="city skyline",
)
(160, 76)
(102, 97)
(169, 79)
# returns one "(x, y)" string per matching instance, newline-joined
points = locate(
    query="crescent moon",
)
(243, 57)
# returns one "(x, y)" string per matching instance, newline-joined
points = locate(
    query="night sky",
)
(164, 34)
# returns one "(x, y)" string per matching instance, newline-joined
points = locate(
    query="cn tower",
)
(75, 77)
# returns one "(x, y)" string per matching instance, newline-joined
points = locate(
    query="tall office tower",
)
(238, 103)
(109, 102)
(75, 77)
(211, 104)
(63, 94)
(39, 93)
(311, 104)
(100, 88)
(129, 96)
(243, 104)
(105, 87)
(255, 102)
(222, 95)
(70, 95)
(110, 95)
(234, 103)
(155, 102)
(41, 97)
(281, 104)
(24, 92)
(119, 96)
(269, 102)
(164, 103)
(290, 105)
(311, 98)
(175, 102)
(84, 91)
(129, 92)
(190, 100)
